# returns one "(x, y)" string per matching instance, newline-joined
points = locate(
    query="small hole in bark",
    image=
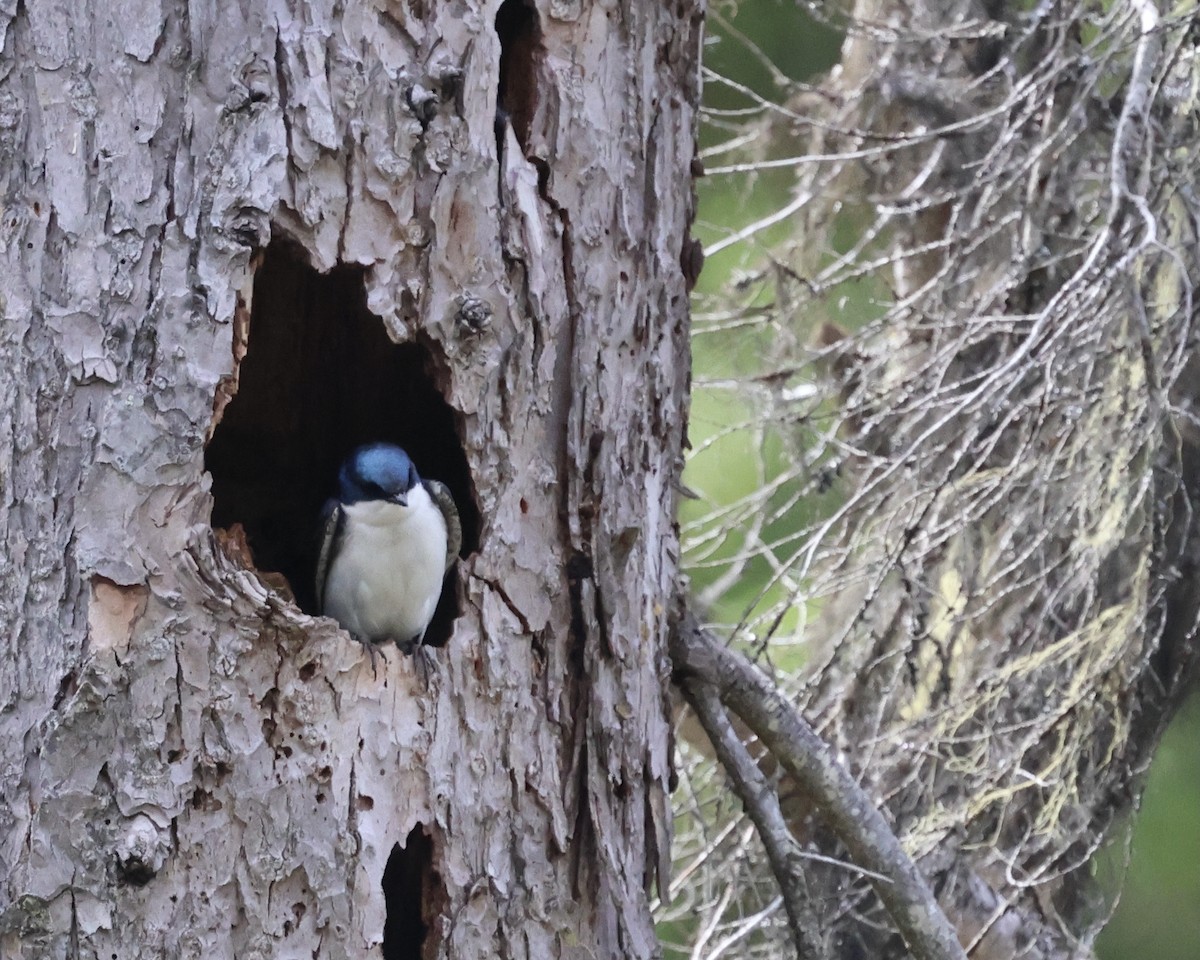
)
(319, 376)
(414, 895)
(66, 688)
(521, 54)
(204, 800)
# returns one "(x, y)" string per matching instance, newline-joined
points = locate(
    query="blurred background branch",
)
(944, 437)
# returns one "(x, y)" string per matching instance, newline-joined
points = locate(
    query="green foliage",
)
(1159, 913)
(758, 54)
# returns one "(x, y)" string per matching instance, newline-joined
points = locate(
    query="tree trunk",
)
(1020, 609)
(240, 243)
(984, 532)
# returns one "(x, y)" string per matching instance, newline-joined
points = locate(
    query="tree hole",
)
(319, 377)
(521, 55)
(413, 895)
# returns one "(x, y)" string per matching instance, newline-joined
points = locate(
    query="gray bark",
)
(189, 764)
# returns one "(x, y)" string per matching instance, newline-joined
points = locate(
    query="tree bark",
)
(212, 214)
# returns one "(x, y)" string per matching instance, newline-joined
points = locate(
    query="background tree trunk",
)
(971, 494)
(1021, 537)
(192, 764)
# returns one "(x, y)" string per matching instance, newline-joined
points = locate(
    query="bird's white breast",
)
(384, 582)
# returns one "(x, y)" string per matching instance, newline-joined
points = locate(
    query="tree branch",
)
(762, 806)
(836, 795)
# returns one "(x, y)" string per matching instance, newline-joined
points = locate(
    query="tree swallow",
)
(389, 539)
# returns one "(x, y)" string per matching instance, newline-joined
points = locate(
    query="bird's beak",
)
(400, 498)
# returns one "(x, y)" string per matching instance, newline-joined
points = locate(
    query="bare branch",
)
(837, 797)
(762, 806)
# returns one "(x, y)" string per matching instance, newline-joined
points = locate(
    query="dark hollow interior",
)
(521, 52)
(410, 891)
(321, 377)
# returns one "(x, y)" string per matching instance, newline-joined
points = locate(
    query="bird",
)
(388, 540)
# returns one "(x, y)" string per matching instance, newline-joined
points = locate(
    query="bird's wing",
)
(440, 494)
(332, 528)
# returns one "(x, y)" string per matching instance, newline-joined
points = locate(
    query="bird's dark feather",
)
(440, 494)
(333, 528)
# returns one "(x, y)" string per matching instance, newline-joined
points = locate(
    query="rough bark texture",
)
(190, 765)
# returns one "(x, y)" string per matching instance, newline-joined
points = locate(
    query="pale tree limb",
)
(700, 659)
(762, 806)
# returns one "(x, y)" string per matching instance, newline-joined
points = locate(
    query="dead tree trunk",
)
(985, 530)
(239, 242)
(1022, 534)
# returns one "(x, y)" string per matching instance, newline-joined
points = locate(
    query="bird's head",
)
(379, 471)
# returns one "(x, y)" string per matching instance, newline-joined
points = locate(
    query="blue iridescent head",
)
(378, 471)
